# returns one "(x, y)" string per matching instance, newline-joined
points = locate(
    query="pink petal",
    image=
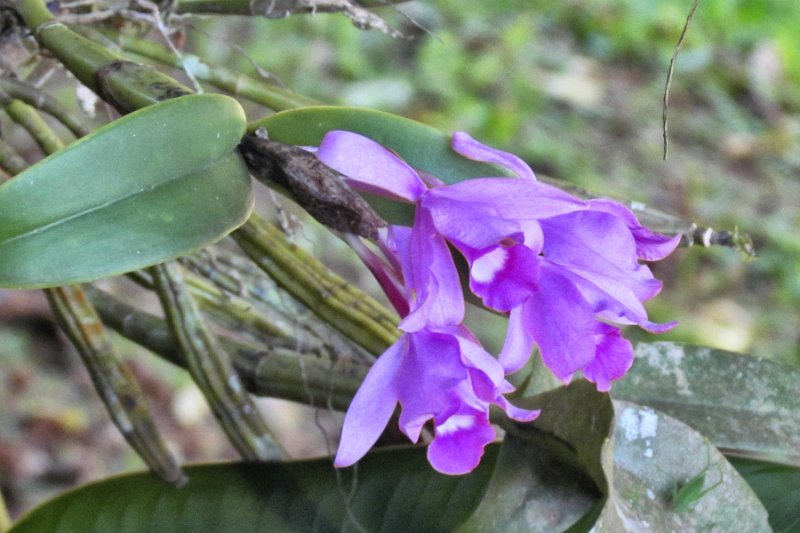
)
(613, 359)
(472, 149)
(649, 246)
(431, 278)
(369, 166)
(562, 324)
(372, 406)
(518, 345)
(460, 439)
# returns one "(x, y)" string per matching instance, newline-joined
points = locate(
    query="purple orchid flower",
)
(566, 270)
(436, 371)
(438, 374)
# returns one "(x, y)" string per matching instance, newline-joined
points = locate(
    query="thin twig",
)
(669, 75)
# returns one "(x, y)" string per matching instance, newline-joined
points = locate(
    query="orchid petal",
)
(599, 245)
(459, 443)
(649, 246)
(372, 406)
(562, 324)
(430, 373)
(370, 167)
(505, 277)
(472, 149)
(432, 280)
(613, 359)
(519, 343)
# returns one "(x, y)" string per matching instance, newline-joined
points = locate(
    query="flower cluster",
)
(565, 270)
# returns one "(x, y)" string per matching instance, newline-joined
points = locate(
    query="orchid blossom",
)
(567, 272)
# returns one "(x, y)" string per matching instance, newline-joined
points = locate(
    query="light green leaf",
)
(389, 491)
(151, 186)
(655, 457)
(423, 147)
(744, 404)
(629, 468)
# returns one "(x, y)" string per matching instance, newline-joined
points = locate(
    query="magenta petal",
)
(428, 378)
(613, 359)
(518, 345)
(369, 166)
(649, 246)
(562, 324)
(472, 149)
(372, 406)
(505, 277)
(517, 413)
(460, 439)
(432, 281)
(508, 198)
(598, 245)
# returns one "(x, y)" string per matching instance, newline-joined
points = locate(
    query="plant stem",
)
(114, 383)
(219, 76)
(5, 519)
(12, 88)
(125, 85)
(210, 367)
(10, 160)
(262, 8)
(27, 117)
(116, 386)
(349, 310)
(265, 371)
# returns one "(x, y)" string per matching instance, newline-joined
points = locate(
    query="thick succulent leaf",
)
(631, 469)
(148, 187)
(668, 477)
(778, 488)
(746, 405)
(389, 491)
(423, 147)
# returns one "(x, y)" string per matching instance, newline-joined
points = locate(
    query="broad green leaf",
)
(389, 491)
(423, 147)
(151, 186)
(655, 458)
(623, 469)
(778, 488)
(745, 405)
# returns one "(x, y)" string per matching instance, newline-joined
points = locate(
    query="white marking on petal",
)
(487, 266)
(455, 423)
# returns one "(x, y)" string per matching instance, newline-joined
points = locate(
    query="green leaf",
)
(611, 468)
(151, 186)
(655, 458)
(778, 488)
(422, 147)
(744, 404)
(389, 491)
